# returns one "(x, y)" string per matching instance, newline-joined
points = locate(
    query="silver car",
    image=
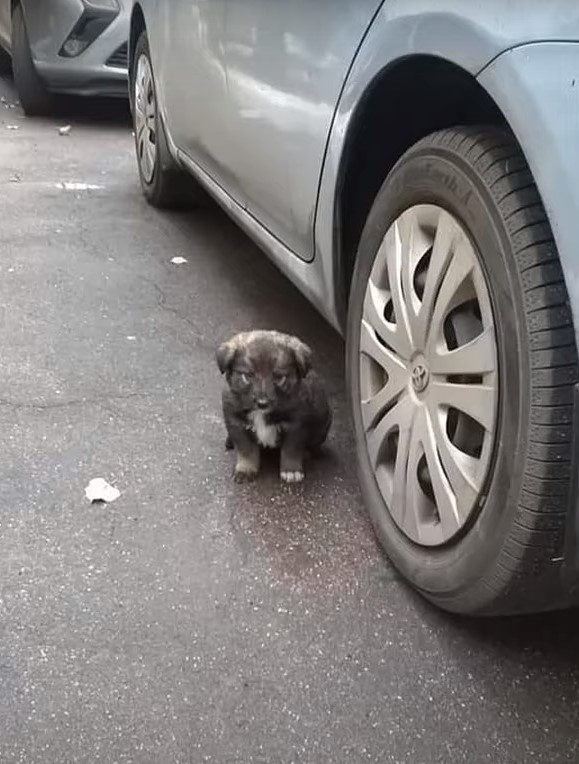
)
(412, 166)
(65, 46)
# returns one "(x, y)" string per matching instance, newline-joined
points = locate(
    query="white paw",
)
(292, 477)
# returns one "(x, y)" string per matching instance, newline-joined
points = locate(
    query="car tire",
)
(165, 185)
(34, 96)
(500, 552)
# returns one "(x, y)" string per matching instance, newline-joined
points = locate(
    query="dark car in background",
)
(65, 46)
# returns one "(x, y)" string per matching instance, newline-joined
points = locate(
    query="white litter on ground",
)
(78, 186)
(12, 127)
(178, 260)
(64, 130)
(99, 490)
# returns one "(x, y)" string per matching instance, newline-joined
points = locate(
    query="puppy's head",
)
(264, 368)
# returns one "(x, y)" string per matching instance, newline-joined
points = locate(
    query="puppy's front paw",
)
(244, 475)
(246, 466)
(292, 476)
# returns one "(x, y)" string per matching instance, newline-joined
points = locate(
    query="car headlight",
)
(95, 18)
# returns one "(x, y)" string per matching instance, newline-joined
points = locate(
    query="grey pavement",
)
(195, 620)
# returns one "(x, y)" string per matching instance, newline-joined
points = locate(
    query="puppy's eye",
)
(280, 379)
(245, 377)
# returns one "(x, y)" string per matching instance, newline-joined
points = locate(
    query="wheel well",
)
(137, 26)
(406, 102)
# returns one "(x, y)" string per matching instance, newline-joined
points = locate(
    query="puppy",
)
(273, 399)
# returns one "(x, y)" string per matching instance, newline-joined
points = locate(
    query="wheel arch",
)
(429, 93)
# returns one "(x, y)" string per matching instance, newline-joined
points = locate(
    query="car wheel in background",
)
(462, 361)
(32, 92)
(164, 183)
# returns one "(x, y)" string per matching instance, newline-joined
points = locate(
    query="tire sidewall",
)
(452, 574)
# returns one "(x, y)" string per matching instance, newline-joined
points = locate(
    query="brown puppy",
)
(273, 399)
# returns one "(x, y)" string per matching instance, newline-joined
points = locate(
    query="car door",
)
(286, 63)
(193, 80)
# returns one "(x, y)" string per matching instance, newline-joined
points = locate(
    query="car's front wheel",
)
(164, 183)
(461, 363)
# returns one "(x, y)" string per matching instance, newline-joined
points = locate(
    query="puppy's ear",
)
(225, 356)
(303, 356)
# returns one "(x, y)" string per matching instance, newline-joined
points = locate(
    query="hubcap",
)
(428, 374)
(145, 118)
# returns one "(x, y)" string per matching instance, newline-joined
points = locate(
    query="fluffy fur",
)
(273, 399)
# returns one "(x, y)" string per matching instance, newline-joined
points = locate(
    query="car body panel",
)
(48, 24)
(404, 28)
(195, 107)
(286, 64)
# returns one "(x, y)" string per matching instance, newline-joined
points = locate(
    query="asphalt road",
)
(195, 620)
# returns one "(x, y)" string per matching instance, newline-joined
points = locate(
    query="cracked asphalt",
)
(195, 620)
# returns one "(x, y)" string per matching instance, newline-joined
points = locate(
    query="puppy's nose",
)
(262, 403)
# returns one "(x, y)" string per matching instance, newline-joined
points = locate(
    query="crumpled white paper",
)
(99, 490)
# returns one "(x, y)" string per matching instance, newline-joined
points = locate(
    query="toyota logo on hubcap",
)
(420, 377)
